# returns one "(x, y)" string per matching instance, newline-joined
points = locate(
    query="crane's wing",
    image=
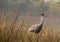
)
(38, 28)
(35, 28)
(31, 29)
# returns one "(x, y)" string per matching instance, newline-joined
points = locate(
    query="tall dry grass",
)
(10, 31)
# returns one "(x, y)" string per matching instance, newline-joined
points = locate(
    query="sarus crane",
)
(36, 28)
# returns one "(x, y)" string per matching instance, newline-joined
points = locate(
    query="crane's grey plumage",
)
(37, 27)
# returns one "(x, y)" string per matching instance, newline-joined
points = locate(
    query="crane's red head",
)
(42, 14)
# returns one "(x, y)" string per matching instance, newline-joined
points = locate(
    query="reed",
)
(12, 32)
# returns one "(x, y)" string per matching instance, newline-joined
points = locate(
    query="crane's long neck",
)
(41, 20)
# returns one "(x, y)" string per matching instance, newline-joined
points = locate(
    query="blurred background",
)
(51, 8)
(24, 13)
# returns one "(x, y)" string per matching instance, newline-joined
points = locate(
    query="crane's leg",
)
(37, 37)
